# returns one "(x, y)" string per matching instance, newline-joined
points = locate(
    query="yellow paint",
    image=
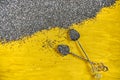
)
(35, 57)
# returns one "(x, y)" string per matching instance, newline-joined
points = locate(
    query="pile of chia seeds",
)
(19, 18)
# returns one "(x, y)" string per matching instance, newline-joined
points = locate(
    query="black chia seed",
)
(19, 18)
(74, 35)
(63, 49)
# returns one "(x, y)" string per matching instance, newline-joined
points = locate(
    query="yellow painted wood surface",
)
(36, 58)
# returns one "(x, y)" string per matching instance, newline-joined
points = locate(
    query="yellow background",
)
(35, 57)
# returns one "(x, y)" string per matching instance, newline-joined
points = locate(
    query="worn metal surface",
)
(19, 18)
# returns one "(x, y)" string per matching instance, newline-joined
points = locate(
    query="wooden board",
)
(35, 57)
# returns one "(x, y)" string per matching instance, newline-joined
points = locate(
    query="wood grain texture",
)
(35, 57)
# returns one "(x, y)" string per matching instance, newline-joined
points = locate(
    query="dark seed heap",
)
(74, 35)
(19, 18)
(63, 49)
